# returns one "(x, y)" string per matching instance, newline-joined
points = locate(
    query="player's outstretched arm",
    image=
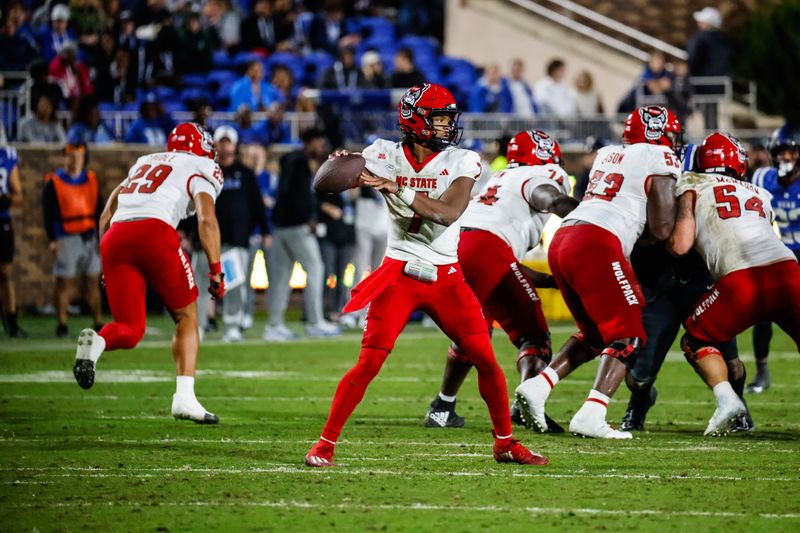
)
(445, 210)
(661, 206)
(108, 211)
(682, 238)
(548, 199)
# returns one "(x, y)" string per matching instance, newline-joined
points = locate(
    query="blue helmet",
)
(784, 138)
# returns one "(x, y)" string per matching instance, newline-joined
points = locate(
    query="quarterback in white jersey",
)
(630, 186)
(729, 222)
(497, 229)
(141, 248)
(427, 183)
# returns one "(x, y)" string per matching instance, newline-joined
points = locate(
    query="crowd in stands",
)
(272, 56)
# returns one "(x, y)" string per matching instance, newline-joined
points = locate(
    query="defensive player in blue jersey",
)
(782, 180)
(10, 194)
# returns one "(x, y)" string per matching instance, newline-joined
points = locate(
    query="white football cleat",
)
(278, 333)
(729, 408)
(232, 335)
(247, 322)
(322, 329)
(188, 408)
(90, 348)
(531, 396)
(591, 423)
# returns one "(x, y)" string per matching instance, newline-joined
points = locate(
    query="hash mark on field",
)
(416, 507)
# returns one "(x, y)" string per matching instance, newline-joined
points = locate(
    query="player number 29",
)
(154, 178)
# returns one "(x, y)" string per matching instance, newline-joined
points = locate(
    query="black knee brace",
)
(624, 349)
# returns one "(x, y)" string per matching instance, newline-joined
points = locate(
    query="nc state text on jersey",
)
(417, 183)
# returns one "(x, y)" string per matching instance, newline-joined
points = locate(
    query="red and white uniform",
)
(143, 249)
(590, 261)
(758, 278)
(504, 206)
(616, 198)
(163, 185)
(412, 237)
(500, 227)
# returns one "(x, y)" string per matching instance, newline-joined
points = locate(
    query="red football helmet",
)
(416, 110)
(721, 152)
(533, 147)
(192, 138)
(652, 124)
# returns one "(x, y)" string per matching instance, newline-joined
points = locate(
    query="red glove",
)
(217, 278)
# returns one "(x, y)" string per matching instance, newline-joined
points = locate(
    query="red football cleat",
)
(513, 451)
(321, 454)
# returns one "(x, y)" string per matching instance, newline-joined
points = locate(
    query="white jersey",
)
(412, 237)
(504, 205)
(616, 198)
(734, 223)
(163, 186)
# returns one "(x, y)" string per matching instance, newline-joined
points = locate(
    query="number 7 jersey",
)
(411, 236)
(734, 223)
(616, 197)
(163, 186)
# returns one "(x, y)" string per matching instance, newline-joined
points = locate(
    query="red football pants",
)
(454, 308)
(134, 255)
(745, 297)
(502, 287)
(597, 283)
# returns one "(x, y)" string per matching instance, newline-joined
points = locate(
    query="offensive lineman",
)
(729, 222)
(142, 248)
(630, 185)
(497, 230)
(782, 181)
(426, 182)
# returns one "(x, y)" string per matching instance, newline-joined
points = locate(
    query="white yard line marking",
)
(282, 504)
(289, 468)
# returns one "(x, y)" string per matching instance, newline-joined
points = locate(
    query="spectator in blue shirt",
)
(87, 128)
(152, 126)
(275, 128)
(252, 90)
(17, 44)
(53, 38)
(490, 94)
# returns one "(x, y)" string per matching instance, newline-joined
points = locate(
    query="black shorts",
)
(6, 241)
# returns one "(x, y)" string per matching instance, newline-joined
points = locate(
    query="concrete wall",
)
(486, 31)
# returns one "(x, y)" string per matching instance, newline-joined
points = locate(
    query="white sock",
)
(722, 390)
(550, 377)
(446, 398)
(98, 346)
(598, 399)
(184, 386)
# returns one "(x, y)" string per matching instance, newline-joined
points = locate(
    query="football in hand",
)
(339, 174)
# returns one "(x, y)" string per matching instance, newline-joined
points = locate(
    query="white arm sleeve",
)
(198, 184)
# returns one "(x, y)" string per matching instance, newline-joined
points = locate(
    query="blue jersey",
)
(785, 203)
(8, 160)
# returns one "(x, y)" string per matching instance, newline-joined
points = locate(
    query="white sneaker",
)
(322, 329)
(279, 333)
(590, 421)
(90, 348)
(729, 408)
(349, 321)
(531, 397)
(233, 334)
(188, 408)
(247, 322)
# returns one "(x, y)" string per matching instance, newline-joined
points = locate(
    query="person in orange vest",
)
(72, 205)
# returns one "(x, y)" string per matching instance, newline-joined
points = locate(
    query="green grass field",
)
(112, 458)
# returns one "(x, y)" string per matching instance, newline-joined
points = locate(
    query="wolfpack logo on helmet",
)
(544, 144)
(410, 99)
(654, 118)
